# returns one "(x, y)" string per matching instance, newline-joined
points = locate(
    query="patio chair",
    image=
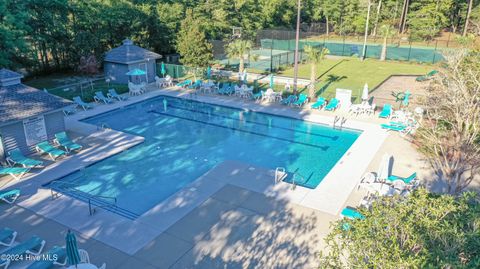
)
(81, 103)
(46, 148)
(159, 82)
(99, 97)
(33, 246)
(319, 103)
(15, 172)
(62, 139)
(302, 99)
(196, 85)
(351, 213)
(112, 94)
(289, 100)
(407, 180)
(7, 237)
(184, 83)
(168, 80)
(332, 105)
(134, 89)
(84, 257)
(386, 111)
(9, 196)
(16, 157)
(58, 252)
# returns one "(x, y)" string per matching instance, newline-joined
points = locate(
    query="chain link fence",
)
(86, 89)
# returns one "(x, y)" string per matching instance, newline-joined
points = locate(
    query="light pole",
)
(297, 37)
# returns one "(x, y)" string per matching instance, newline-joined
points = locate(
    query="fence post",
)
(434, 52)
(343, 47)
(271, 55)
(409, 50)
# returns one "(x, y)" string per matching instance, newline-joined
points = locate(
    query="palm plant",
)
(386, 31)
(315, 56)
(238, 49)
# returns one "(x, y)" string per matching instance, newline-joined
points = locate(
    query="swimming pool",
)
(185, 138)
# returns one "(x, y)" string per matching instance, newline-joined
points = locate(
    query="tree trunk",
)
(313, 76)
(328, 29)
(366, 30)
(403, 18)
(241, 65)
(384, 50)
(469, 11)
(374, 32)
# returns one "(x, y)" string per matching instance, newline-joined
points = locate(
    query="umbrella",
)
(162, 69)
(271, 81)
(136, 72)
(72, 249)
(365, 92)
(384, 167)
(209, 72)
(405, 98)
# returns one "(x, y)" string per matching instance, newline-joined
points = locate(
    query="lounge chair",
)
(257, 96)
(319, 103)
(112, 94)
(100, 97)
(69, 110)
(289, 100)
(427, 76)
(394, 126)
(407, 180)
(9, 196)
(7, 237)
(16, 157)
(386, 111)
(33, 246)
(332, 105)
(196, 85)
(184, 83)
(351, 213)
(53, 152)
(62, 139)
(302, 99)
(81, 103)
(60, 255)
(15, 172)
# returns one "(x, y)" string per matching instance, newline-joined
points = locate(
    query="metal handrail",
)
(92, 210)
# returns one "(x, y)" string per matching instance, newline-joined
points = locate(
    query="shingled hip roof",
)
(18, 102)
(129, 53)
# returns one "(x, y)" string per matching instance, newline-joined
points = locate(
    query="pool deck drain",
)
(130, 236)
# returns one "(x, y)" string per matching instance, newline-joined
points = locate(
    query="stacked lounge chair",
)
(112, 94)
(9, 196)
(33, 246)
(289, 100)
(81, 103)
(47, 148)
(302, 99)
(62, 139)
(58, 252)
(16, 157)
(184, 83)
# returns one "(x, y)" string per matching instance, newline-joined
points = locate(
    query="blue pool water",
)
(188, 138)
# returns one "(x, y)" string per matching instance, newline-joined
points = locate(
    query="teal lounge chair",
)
(16, 157)
(9, 196)
(62, 139)
(184, 83)
(53, 152)
(302, 99)
(394, 126)
(257, 96)
(427, 76)
(69, 110)
(386, 111)
(332, 105)
(81, 103)
(7, 237)
(196, 85)
(58, 252)
(289, 100)
(351, 213)
(407, 180)
(99, 97)
(33, 246)
(15, 172)
(319, 103)
(112, 94)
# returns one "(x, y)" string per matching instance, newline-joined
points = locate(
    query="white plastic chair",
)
(104, 266)
(84, 258)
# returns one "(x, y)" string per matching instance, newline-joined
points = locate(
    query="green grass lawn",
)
(352, 74)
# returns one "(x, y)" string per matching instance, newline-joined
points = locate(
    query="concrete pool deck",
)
(130, 237)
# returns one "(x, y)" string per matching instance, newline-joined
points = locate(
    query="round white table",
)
(83, 266)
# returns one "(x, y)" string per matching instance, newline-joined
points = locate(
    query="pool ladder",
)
(338, 122)
(281, 174)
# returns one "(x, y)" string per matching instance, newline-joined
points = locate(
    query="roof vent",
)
(127, 42)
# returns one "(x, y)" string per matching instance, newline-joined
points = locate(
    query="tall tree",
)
(314, 56)
(386, 31)
(467, 18)
(449, 135)
(194, 49)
